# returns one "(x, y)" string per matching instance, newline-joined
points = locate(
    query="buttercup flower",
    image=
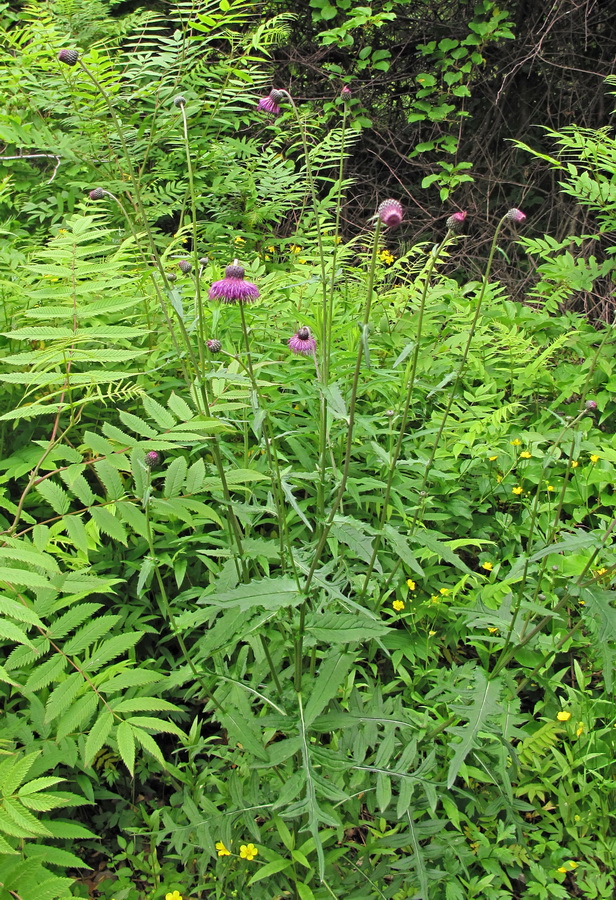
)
(551, 487)
(488, 566)
(574, 463)
(222, 850)
(398, 605)
(492, 458)
(444, 591)
(516, 442)
(232, 288)
(516, 216)
(248, 851)
(431, 633)
(390, 213)
(594, 458)
(563, 716)
(525, 454)
(302, 342)
(271, 103)
(411, 584)
(456, 221)
(517, 490)
(68, 57)
(580, 729)
(173, 895)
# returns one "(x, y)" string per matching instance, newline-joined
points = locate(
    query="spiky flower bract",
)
(213, 345)
(152, 459)
(390, 213)
(68, 56)
(184, 266)
(303, 342)
(456, 221)
(97, 194)
(271, 103)
(516, 216)
(233, 288)
(180, 100)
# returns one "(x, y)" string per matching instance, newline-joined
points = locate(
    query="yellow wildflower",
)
(563, 716)
(411, 584)
(295, 249)
(516, 442)
(222, 850)
(337, 239)
(499, 478)
(562, 870)
(435, 599)
(248, 851)
(398, 605)
(601, 571)
(492, 458)
(173, 895)
(551, 487)
(270, 249)
(574, 463)
(488, 566)
(517, 490)
(493, 630)
(580, 728)
(525, 454)
(444, 591)
(431, 633)
(386, 257)
(239, 240)
(594, 458)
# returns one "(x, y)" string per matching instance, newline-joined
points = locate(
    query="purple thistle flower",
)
(97, 194)
(516, 215)
(303, 342)
(152, 459)
(590, 404)
(232, 288)
(68, 57)
(184, 266)
(456, 221)
(390, 213)
(271, 103)
(345, 93)
(213, 345)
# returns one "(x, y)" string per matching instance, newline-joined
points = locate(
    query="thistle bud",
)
(456, 221)
(345, 93)
(204, 261)
(390, 213)
(152, 459)
(179, 100)
(213, 345)
(184, 266)
(590, 404)
(97, 194)
(516, 216)
(171, 276)
(68, 57)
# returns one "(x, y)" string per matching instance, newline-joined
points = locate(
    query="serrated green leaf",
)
(342, 628)
(174, 477)
(78, 716)
(54, 856)
(126, 745)
(55, 495)
(15, 775)
(195, 477)
(63, 695)
(158, 413)
(332, 673)
(108, 524)
(270, 593)
(91, 632)
(99, 732)
(19, 611)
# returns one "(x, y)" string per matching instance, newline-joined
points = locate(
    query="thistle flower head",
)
(591, 404)
(456, 221)
(68, 56)
(213, 345)
(390, 213)
(516, 216)
(152, 459)
(184, 266)
(271, 103)
(180, 100)
(345, 93)
(97, 194)
(232, 288)
(204, 261)
(303, 342)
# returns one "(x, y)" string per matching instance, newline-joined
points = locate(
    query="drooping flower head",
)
(590, 404)
(184, 266)
(456, 221)
(213, 345)
(232, 288)
(271, 103)
(303, 342)
(516, 216)
(68, 56)
(390, 213)
(97, 194)
(180, 100)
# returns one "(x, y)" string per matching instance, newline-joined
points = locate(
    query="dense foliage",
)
(307, 524)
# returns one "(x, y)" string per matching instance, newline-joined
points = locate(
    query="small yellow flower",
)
(551, 487)
(435, 599)
(574, 463)
(239, 240)
(582, 602)
(563, 716)
(516, 442)
(337, 239)
(444, 591)
(222, 850)
(517, 490)
(431, 633)
(295, 249)
(270, 249)
(525, 454)
(398, 605)
(488, 566)
(499, 478)
(594, 458)
(580, 728)
(173, 895)
(247, 851)
(492, 458)
(562, 870)
(411, 584)
(601, 571)
(493, 630)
